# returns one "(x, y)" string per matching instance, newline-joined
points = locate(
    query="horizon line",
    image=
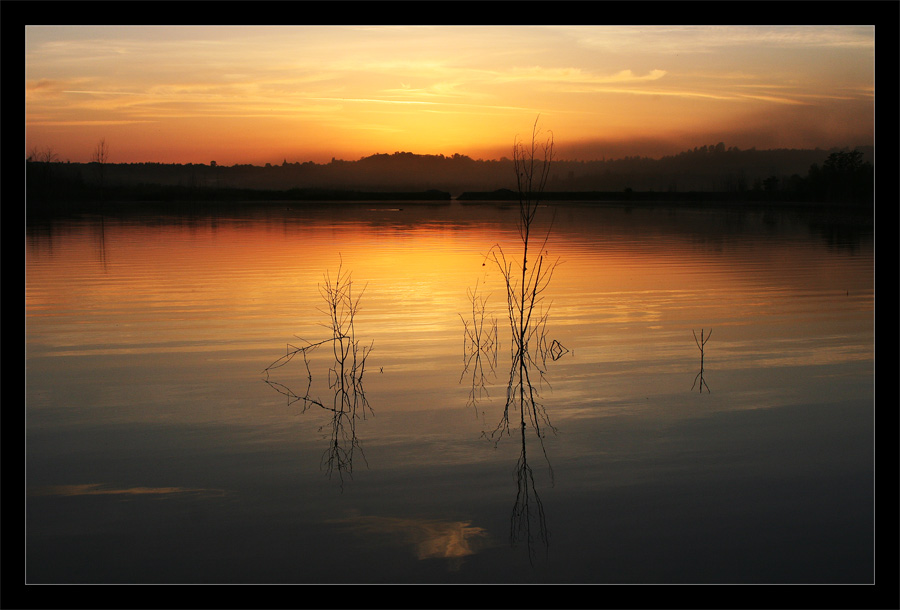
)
(452, 155)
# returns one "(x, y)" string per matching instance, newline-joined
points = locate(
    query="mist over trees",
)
(779, 174)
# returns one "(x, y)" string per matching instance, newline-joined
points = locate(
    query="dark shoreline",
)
(175, 198)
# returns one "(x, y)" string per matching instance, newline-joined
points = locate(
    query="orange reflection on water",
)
(631, 288)
(98, 489)
(429, 538)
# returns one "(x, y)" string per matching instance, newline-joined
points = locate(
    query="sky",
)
(264, 94)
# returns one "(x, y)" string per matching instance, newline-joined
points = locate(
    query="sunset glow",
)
(248, 94)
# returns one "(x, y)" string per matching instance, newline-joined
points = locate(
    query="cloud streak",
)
(576, 75)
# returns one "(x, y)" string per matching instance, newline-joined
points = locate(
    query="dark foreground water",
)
(159, 451)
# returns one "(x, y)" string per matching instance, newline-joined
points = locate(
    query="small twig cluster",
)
(480, 346)
(345, 376)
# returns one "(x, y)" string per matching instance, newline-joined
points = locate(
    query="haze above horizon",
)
(258, 94)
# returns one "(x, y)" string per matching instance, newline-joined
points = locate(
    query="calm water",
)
(159, 451)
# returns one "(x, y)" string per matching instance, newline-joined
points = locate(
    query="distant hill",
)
(705, 169)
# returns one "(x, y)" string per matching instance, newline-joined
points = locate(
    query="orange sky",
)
(258, 94)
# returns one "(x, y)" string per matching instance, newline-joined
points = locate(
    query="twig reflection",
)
(701, 344)
(480, 345)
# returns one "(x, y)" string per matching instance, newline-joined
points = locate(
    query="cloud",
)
(774, 98)
(577, 75)
(41, 85)
(436, 90)
(82, 123)
(770, 126)
(686, 40)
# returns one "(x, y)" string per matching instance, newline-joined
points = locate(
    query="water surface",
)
(159, 451)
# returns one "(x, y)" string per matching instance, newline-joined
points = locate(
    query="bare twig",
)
(349, 402)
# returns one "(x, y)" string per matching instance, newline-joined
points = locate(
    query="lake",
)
(702, 393)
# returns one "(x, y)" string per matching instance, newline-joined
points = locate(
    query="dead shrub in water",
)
(526, 282)
(345, 376)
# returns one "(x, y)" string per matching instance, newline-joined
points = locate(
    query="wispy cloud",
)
(438, 90)
(688, 40)
(577, 75)
(82, 123)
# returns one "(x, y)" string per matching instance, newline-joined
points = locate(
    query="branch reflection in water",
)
(526, 283)
(701, 344)
(345, 377)
(480, 343)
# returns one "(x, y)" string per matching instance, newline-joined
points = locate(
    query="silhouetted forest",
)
(707, 172)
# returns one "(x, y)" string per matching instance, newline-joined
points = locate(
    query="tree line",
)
(788, 174)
